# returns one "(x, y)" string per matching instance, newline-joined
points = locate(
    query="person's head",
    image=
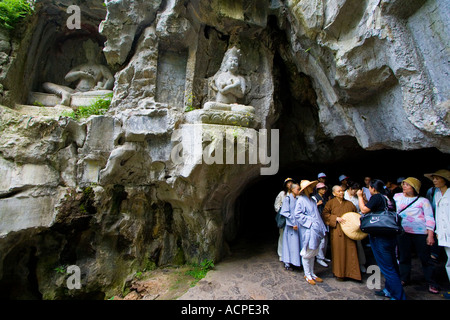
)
(392, 185)
(287, 184)
(295, 189)
(343, 179)
(321, 188)
(322, 177)
(353, 188)
(307, 187)
(440, 182)
(411, 186)
(376, 186)
(367, 181)
(440, 178)
(338, 192)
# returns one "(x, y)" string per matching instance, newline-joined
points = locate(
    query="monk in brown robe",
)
(344, 255)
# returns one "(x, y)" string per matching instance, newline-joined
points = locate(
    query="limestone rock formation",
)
(105, 193)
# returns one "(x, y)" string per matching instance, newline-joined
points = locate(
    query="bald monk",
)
(344, 254)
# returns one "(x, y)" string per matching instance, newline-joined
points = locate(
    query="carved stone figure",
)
(91, 76)
(230, 86)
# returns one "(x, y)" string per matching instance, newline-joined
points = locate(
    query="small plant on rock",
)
(200, 271)
(12, 11)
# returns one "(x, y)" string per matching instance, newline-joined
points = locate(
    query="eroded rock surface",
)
(104, 193)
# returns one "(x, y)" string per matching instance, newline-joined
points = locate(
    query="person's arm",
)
(429, 220)
(278, 201)
(362, 206)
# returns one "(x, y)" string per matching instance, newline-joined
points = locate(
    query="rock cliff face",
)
(105, 193)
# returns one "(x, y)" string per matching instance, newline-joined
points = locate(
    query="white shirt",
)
(442, 217)
(367, 193)
(279, 200)
(353, 200)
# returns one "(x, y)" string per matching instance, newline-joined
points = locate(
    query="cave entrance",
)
(255, 205)
(305, 150)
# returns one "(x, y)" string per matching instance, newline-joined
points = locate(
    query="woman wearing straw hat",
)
(418, 223)
(441, 180)
(311, 227)
(344, 254)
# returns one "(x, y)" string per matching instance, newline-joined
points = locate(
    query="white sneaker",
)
(326, 260)
(322, 262)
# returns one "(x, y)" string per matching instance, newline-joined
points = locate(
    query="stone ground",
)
(253, 272)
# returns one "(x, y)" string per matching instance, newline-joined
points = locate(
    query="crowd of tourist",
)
(312, 219)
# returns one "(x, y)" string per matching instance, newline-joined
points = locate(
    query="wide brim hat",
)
(440, 173)
(306, 183)
(352, 224)
(414, 182)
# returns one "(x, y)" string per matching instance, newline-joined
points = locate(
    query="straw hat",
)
(440, 173)
(306, 183)
(413, 182)
(351, 226)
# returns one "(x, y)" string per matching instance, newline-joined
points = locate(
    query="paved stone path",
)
(254, 272)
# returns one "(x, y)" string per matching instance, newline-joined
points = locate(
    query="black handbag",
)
(383, 223)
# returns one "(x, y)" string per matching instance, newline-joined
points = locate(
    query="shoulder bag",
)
(384, 223)
(279, 218)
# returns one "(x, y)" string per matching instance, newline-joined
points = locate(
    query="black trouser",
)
(419, 241)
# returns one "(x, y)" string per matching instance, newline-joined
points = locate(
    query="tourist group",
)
(312, 215)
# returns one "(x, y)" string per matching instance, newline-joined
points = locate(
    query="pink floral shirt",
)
(418, 217)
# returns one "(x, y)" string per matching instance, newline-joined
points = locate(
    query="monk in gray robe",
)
(344, 253)
(291, 238)
(312, 229)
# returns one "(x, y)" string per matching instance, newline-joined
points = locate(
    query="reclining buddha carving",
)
(93, 79)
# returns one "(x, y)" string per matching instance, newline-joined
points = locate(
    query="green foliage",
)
(199, 271)
(98, 107)
(12, 11)
(189, 102)
(60, 269)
